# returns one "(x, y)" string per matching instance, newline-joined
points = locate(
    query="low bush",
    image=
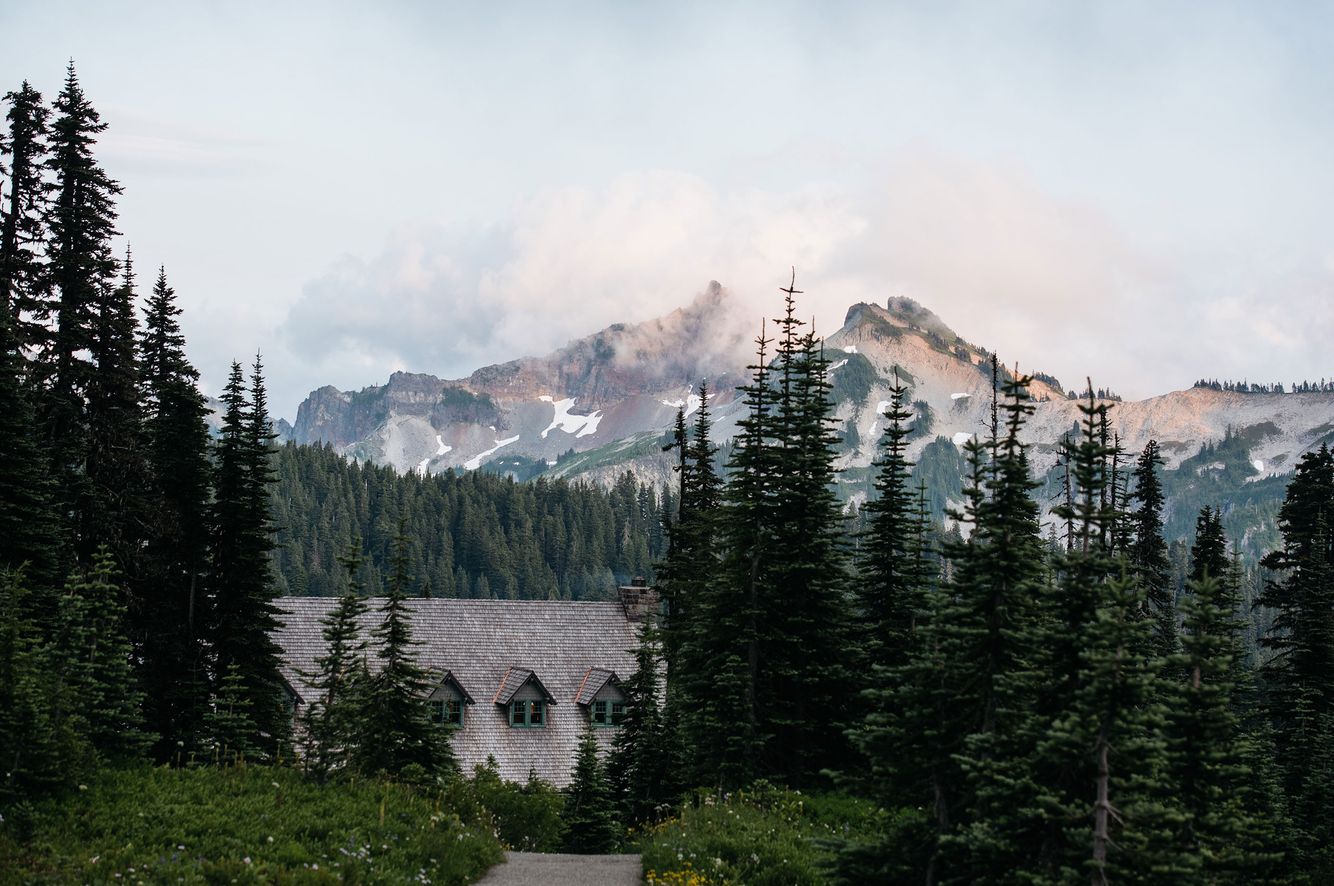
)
(526, 817)
(247, 824)
(762, 836)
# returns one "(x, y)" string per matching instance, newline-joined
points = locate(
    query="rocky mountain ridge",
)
(602, 404)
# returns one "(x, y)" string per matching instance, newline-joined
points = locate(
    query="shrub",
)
(253, 824)
(764, 835)
(527, 817)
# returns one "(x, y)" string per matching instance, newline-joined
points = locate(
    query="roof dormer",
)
(525, 697)
(601, 695)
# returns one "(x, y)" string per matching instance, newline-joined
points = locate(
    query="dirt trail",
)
(539, 869)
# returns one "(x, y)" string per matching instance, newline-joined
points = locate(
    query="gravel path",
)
(540, 869)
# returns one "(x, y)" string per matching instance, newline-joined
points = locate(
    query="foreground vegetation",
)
(764, 835)
(244, 824)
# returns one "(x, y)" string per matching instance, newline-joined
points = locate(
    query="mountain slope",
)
(602, 404)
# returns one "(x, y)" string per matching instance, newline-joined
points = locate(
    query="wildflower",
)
(246, 859)
(83, 787)
(270, 839)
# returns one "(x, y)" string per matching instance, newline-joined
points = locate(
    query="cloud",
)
(570, 261)
(1044, 280)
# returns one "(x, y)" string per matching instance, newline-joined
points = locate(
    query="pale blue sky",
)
(361, 187)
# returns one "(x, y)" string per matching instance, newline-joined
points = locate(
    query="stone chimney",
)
(638, 599)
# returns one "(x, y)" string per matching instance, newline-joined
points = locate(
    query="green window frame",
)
(605, 713)
(446, 711)
(528, 714)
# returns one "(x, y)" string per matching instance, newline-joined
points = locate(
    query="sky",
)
(1137, 192)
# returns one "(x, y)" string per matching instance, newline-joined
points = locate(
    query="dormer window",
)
(529, 713)
(524, 698)
(446, 703)
(605, 712)
(446, 711)
(600, 694)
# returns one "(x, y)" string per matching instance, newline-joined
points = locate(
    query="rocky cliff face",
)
(601, 405)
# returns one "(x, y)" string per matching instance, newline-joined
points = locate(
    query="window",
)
(446, 711)
(527, 713)
(607, 713)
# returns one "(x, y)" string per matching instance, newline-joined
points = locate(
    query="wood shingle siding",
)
(527, 648)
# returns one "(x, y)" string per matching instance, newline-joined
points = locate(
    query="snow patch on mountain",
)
(579, 425)
(961, 438)
(1258, 465)
(690, 404)
(843, 362)
(960, 396)
(475, 462)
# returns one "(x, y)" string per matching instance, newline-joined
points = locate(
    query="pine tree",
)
(79, 272)
(589, 812)
(330, 721)
(96, 662)
(990, 637)
(41, 748)
(722, 733)
(891, 593)
(1148, 551)
(1205, 752)
(22, 222)
(903, 738)
(113, 512)
(1099, 770)
(1297, 678)
(804, 690)
(397, 733)
(642, 770)
(230, 729)
(175, 559)
(29, 531)
(242, 610)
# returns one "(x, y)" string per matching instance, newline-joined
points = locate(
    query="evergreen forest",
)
(998, 701)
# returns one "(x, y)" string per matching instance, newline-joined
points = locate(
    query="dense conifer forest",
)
(1013, 702)
(474, 534)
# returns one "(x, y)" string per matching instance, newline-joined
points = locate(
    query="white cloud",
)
(1045, 281)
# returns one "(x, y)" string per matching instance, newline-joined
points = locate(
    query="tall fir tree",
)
(1208, 769)
(176, 555)
(1100, 768)
(643, 768)
(80, 270)
(114, 510)
(1148, 551)
(589, 813)
(723, 735)
(990, 636)
(804, 690)
(29, 526)
(1297, 677)
(397, 733)
(890, 593)
(23, 218)
(331, 721)
(242, 610)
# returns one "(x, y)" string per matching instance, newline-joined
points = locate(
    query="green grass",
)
(763, 836)
(242, 825)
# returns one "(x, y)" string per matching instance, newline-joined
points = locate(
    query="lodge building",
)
(516, 680)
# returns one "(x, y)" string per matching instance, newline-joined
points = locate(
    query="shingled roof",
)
(485, 645)
(514, 680)
(591, 685)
